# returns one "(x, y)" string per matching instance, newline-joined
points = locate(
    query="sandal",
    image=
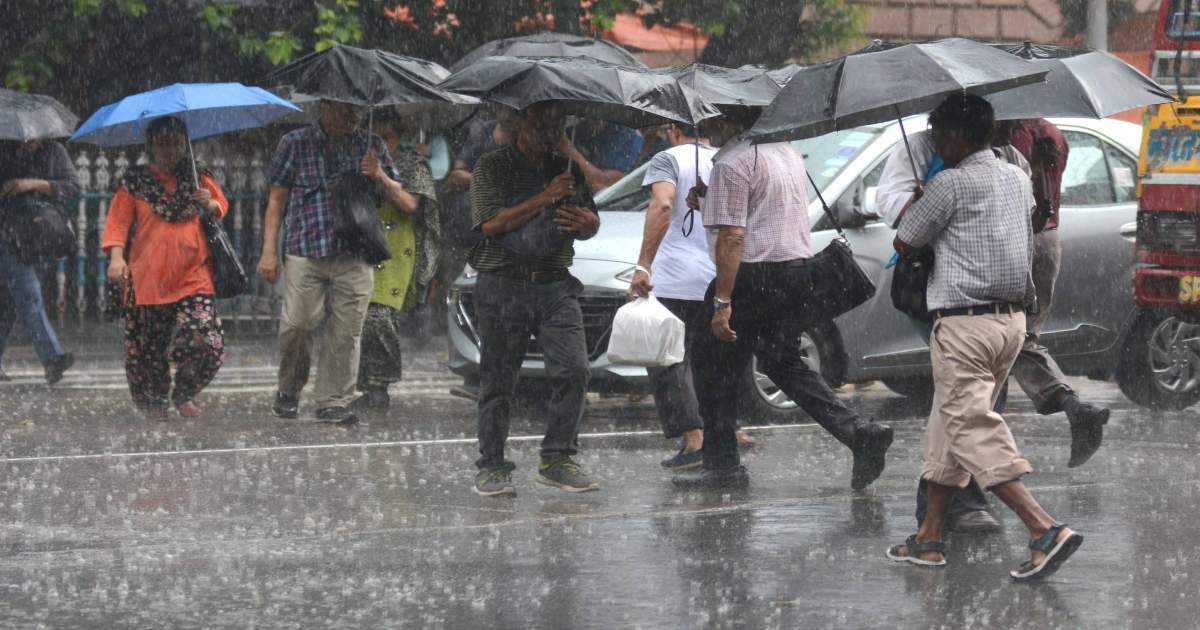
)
(915, 549)
(1056, 552)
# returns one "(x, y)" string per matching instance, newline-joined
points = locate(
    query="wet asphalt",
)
(241, 520)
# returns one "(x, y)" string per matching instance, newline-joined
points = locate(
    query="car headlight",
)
(470, 272)
(627, 275)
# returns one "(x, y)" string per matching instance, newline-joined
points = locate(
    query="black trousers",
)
(768, 317)
(508, 311)
(674, 388)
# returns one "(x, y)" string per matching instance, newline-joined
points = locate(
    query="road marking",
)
(358, 445)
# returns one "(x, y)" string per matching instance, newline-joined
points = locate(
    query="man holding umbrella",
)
(322, 275)
(524, 192)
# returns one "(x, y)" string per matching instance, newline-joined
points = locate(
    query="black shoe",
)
(58, 365)
(734, 478)
(973, 522)
(872, 442)
(1087, 431)
(286, 405)
(375, 399)
(336, 415)
(4, 377)
(685, 460)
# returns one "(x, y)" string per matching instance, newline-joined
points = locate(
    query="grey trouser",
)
(508, 311)
(674, 391)
(1035, 370)
(334, 291)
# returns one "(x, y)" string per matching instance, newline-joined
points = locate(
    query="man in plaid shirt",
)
(977, 217)
(323, 276)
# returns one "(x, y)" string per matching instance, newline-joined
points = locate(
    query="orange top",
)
(169, 261)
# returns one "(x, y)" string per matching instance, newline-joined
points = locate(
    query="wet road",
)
(242, 520)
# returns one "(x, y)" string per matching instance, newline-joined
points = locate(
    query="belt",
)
(995, 308)
(531, 275)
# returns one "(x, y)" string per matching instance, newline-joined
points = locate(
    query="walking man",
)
(976, 216)
(326, 282)
(758, 205)
(530, 208)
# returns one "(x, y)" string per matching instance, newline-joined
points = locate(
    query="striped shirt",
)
(503, 179)
(976, 216)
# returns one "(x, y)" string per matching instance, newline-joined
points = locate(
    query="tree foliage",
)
(88, 52)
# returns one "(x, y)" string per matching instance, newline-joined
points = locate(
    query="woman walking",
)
(170, 312)
(402, 283)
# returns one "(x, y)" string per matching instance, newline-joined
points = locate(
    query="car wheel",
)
(915, 387)
(761, 400)
(1159, 365)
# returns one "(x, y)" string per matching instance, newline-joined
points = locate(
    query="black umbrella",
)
(548, 44)
(872, 87)
(747, 86)
(25, 117)
(633, 97)
(781, 75)
(1081, 84)
(367, 77)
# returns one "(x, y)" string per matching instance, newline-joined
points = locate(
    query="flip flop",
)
(915, 549)
(1056, 554)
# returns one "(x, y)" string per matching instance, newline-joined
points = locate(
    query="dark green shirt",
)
(504, 178)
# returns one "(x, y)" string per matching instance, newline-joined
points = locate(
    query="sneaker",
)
(685, 460)
(58, 365)
(188, 409)
(565, 474)
(286, 405)
(735, 478)
(336, 415)
(494, 482)
(872, 442)
(374, 399)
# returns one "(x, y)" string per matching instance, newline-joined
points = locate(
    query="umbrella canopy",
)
(727, 86)
(207, 109)
(361, 76)
(25, 117)
(872, 87)
(634, 97)
(548, 44)
(1081, 84)
(781, 75)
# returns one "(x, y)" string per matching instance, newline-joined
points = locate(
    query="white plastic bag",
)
(646, 333)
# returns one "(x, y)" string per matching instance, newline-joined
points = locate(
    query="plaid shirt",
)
(305, 163)
(977, 217)
(760, 188)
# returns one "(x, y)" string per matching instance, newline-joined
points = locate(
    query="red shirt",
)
(1023, 138)
(169, 261)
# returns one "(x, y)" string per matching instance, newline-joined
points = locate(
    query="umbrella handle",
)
(192, 156)
(907, 147)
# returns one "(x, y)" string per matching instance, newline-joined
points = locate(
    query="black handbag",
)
(229, 277)
(37, 231)
(836, 283)
(910, 279)
(356, 218)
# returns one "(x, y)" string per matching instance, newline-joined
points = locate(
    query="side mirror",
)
(869, 207)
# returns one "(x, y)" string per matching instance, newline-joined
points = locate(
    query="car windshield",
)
(825, 156)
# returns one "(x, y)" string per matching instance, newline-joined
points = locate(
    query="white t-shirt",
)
(682, 268)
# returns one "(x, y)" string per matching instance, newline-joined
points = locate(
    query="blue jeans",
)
(22, 300)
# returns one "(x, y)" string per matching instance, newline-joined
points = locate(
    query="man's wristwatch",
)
(720, 305)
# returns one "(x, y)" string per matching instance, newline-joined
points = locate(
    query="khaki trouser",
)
(971, 354)
(335, 291)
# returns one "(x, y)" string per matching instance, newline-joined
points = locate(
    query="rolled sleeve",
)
(487, 193)
(120, 218)
(930, 215)
(282, 171)
(728, 198)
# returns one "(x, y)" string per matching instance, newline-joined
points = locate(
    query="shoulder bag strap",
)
(837, 225)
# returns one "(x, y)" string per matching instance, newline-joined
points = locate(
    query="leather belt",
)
(531, 275)
(995, 308)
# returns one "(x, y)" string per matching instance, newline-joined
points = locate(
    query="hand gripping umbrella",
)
(880, 85)
(25, 117)
(1081, 84)
(207, 109)
(548, 44)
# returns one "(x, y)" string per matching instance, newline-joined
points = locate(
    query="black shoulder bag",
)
(229, 277)
(36, 230)
(837, 283)
(910, 279)
(356, 218)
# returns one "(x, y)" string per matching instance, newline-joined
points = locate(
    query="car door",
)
(1094, 292)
